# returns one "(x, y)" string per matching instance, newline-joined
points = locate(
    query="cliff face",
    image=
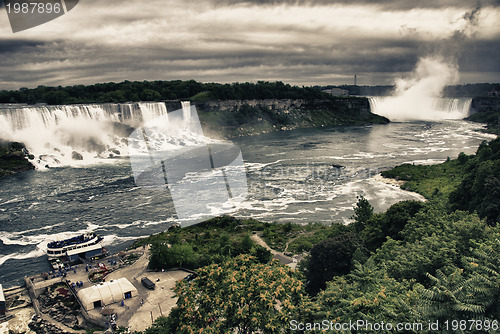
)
(234, 118)
(485, 104)
(13, 158)
(486, 110)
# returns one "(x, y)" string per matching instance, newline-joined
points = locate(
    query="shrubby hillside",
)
(417, 263)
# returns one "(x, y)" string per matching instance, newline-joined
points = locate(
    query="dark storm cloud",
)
(481, 56)
(8, 46)
(225, 41)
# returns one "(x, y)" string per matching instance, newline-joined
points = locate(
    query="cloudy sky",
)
(299, 42)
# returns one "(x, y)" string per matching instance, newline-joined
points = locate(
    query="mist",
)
(419, 95)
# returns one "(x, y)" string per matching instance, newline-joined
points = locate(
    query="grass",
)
(429, 181)
(201, 236)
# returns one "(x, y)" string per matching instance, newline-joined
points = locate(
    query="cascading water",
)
(418, 96)
(403, 109)
(75, 134)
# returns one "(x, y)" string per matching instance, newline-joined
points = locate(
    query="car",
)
(190, 277)
(148, 283)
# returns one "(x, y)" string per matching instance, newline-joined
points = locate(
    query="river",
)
(291, 176)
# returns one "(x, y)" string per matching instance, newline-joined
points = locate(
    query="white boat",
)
(71, 250)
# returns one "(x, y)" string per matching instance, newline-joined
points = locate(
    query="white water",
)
(397, 108)
(78, 134)
(418, 96)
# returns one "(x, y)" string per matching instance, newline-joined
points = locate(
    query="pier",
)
(54, 304)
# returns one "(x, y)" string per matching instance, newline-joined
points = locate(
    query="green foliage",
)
(178, 255)
(202, 244)
(469, 182)
(388, 224)
(159, 90)
(431, 240)
(425, 179)
(369, 294)
(362, 214)
(299, 238)
(237, 296)
(468, 294)
(488, 111)
(451, 297)
(480, 188)
(329, 258)
(485, 267)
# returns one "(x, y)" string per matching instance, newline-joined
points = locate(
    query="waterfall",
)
(398, 108)
(75, 134)
(186, 109)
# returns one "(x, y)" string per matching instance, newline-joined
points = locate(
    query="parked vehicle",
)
(147, 283)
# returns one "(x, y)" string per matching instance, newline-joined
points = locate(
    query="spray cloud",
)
(416, 97)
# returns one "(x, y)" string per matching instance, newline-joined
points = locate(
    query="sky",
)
(316, 42)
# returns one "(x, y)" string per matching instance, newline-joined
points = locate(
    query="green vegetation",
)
(480, 189)
(418, 262)
(13, 158)
(429, 181)
(229, 236)
(469, 183)
(240, 295)
(380, 226)
(203, 244)
(331, 257)
(445, 266)
(130, 91)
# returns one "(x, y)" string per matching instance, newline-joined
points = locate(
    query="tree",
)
(331, 257)
(450, 297)
(56, 97)
(362, 213)
(368, 294)
(431, 240)
(178, 255)
(389, 224)
(238, 296)
(480, 188)
(470, 293)
(485, 265)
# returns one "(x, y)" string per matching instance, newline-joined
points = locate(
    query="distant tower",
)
(355, 79)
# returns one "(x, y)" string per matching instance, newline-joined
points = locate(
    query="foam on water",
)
(399, 108)
(79, 135)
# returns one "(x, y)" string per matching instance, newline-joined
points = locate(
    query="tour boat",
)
(84, 246)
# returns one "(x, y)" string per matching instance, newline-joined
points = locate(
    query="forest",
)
(434, 262)
(134, 91)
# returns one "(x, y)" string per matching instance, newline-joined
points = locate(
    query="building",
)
(3, 306)
(337, 91)
(106, 293)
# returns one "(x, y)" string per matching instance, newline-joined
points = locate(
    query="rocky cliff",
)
(234, 118)
(486, 110)
(13, 158)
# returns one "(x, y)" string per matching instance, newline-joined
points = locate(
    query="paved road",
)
(284, 259)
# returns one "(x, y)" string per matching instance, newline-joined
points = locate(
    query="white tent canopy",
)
(106, 293)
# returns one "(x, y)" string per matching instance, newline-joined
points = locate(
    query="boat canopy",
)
(83, 249)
